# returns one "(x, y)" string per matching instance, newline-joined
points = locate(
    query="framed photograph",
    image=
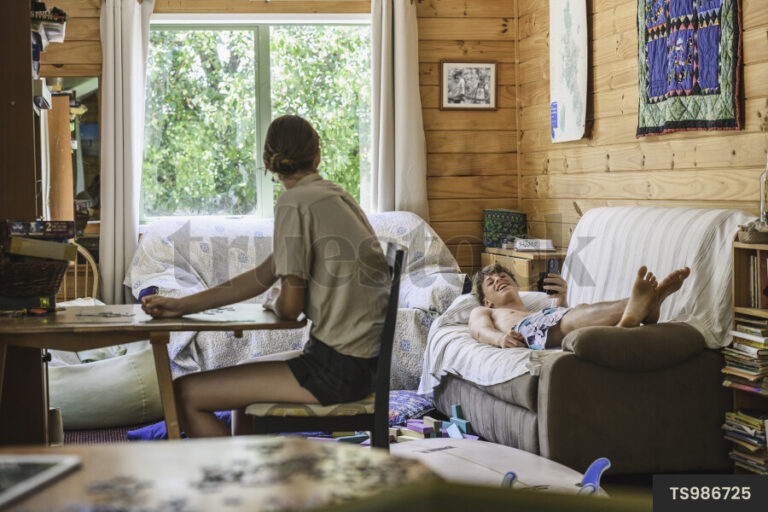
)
(467, 85)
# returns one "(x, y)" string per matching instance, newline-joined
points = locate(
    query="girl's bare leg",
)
(198, 395)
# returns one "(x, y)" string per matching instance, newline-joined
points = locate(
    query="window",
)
(211, 93)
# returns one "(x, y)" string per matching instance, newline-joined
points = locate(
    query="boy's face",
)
(499, 289)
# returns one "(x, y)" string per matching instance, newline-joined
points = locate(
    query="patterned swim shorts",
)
(535, 327)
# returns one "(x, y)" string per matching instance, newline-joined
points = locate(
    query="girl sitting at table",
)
(331, 268)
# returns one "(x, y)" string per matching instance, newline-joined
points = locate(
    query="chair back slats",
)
(89, 272)
(395, 261)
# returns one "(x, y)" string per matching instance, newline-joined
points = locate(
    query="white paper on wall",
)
(567, 68)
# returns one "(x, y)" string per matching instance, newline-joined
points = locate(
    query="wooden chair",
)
(75, 284)
(371, 413)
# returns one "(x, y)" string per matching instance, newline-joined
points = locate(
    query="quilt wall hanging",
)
(689, 65)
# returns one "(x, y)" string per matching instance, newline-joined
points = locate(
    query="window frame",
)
(259, 23)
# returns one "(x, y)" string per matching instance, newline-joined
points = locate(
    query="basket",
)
(31, 279)
(753, 237)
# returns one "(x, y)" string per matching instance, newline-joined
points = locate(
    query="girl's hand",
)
(511, 339)
(556, 283)
(162, 307)
(272, 295)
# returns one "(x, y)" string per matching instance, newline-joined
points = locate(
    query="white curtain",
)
(399, 155)
(124, 44)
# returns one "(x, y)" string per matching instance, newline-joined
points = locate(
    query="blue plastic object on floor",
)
(509, 479)
(159, 431)
(591, 481)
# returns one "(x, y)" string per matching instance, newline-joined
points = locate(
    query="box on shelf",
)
(502, 224)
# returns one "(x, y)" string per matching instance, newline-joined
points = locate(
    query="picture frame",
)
(469, 85)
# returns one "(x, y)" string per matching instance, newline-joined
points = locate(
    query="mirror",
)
(74, 177)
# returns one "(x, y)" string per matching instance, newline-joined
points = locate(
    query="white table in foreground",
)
(483, 463)
(232, 474)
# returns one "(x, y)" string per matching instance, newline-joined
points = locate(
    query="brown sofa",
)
(649, 398)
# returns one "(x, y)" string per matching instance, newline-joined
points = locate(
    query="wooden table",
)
(23, 395)
(240, 473)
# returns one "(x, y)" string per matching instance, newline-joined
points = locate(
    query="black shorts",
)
(332, 377)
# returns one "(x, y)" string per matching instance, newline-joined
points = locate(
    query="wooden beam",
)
(253, 6)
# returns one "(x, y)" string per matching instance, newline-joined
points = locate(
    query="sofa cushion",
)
(497, 421)
(521, 391)
(645, 348)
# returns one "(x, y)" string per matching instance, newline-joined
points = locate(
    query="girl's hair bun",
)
(291, 145)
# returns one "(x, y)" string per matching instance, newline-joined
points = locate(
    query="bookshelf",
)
(747, 360)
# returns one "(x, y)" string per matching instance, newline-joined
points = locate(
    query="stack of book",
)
(746, 360)
(37, 243)
(746, 430)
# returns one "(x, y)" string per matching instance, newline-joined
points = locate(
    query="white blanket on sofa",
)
(184, 256)
(451, 349)
(607, 247)
(610, 244)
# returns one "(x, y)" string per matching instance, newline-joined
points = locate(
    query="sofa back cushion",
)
(183, 256)
(609, 245)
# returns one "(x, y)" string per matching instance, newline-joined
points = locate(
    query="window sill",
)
(145, 224)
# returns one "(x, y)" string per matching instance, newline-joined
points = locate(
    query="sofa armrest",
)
(645, 348)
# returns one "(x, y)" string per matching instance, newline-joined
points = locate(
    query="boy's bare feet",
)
(667, 287)
(639, 304)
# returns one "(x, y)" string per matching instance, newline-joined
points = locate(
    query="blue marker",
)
(152, 290)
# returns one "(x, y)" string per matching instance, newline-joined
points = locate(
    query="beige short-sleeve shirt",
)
(322, 236)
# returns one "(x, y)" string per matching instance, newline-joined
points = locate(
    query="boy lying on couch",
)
(506, 322)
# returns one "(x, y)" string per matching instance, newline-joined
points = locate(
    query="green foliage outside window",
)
(201, 152)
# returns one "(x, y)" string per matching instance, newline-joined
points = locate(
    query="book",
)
(41, 248)
(752, 329)
(743, 373)
(533, 244)
(43, 229)
(755, 384)
(750, 348)
(751, 320)
(745, 357)
(25, 303)
(762, 281)
(752, 279)
(750, 337)
(752, 388)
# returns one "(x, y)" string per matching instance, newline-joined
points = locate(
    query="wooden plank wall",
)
(472, 160)
(472, 156)
(80, 53)
(612, 167)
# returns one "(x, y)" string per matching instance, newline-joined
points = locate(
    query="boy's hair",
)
(490, 270)
(291, 145)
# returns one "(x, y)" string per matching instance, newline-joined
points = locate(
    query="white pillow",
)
(460, 309)
(433, 292)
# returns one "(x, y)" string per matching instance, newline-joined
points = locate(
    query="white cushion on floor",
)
(116, 387)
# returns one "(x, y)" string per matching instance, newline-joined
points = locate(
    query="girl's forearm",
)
(245, 286)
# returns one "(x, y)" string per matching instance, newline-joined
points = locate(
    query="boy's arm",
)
(484, 330)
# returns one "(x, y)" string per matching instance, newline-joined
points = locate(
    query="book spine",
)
(43, 229)
(19, 303)
(752, 281)
(762, 283)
